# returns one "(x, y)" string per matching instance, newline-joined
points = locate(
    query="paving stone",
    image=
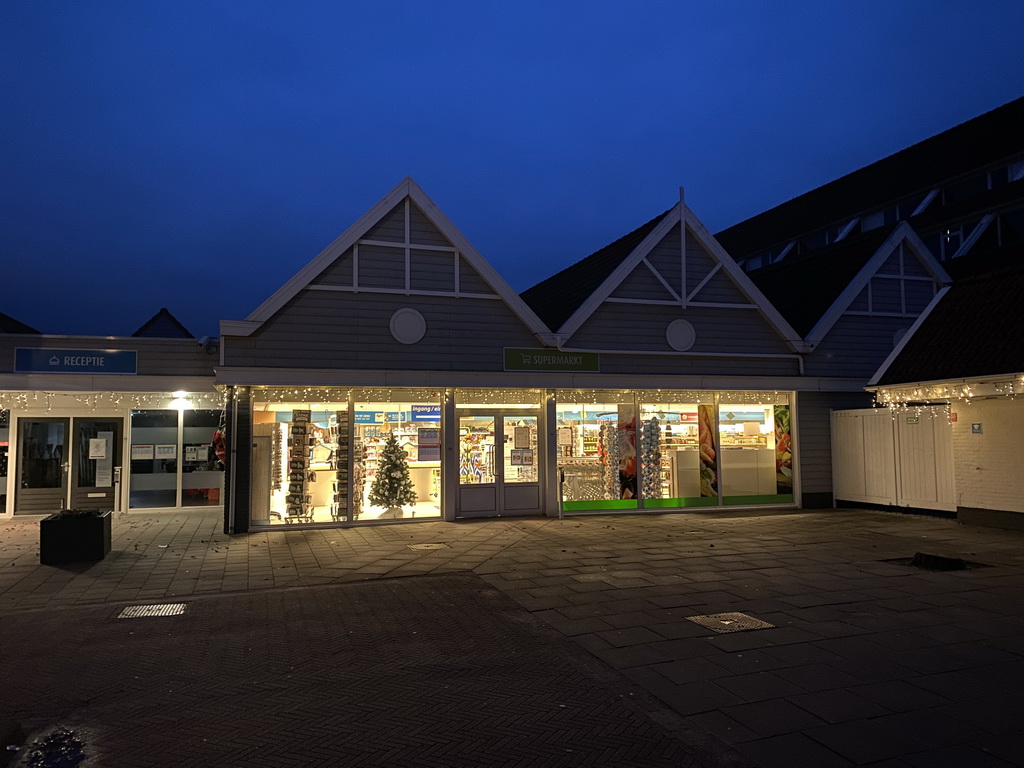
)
(817, 677)
(791, 750)
(772, 718)
(866, 741)
(759, 685)
(839, 706)
(899, 696)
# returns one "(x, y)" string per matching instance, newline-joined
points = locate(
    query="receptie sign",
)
(75, 361)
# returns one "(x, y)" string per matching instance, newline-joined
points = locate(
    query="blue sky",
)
(195, 155)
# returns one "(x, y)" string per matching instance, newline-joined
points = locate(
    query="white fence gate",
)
(899, 458)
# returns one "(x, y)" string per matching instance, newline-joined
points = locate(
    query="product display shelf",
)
(299, 501)
(340, 436)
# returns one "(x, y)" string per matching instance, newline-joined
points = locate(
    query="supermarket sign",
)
(550, 360)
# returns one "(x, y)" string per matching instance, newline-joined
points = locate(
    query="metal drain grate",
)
(729, 622)
(420, 547)
(139, 611)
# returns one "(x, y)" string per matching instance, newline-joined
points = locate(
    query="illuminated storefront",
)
(321, 455)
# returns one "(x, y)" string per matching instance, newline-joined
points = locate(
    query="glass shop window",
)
(202, 454)
(677, 459)
(398, 460)
(597, 450)
(755, 452)
(153, 460)
(306, 449)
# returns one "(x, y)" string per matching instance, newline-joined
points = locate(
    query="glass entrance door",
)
(96, 459)
(498, 464)
(42, 466)
(67, 463)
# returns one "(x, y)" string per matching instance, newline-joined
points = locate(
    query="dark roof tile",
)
(803, 288)
(9, 325)
(976, 144)
(555, 299)
(976, 329)
(164, 325)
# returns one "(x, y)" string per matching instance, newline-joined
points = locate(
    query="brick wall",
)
(990, 465)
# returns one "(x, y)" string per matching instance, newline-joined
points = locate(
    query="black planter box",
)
(69, 539)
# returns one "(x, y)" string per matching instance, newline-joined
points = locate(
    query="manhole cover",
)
(139, 611)
(420, 547)
(729, 622)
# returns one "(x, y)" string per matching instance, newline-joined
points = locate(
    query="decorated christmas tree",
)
(392, 487)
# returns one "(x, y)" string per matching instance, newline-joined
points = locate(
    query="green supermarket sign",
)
(550, 360)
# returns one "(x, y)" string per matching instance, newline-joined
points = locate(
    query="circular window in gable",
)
(408, 326)
(680, 335)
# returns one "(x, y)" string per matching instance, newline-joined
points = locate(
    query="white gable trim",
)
(903, 233)
(681, 214)
(407, 188)
(477, 261)
(742, 281)
(621, 272)
(898, 349)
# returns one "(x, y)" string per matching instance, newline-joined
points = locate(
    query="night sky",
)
(195, 155)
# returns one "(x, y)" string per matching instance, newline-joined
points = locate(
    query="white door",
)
(924, 445)
(499, 464)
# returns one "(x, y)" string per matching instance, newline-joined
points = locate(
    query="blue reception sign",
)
(75, 360)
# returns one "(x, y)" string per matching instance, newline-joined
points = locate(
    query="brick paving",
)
(870, 661)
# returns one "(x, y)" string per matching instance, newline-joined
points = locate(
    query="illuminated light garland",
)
(964, 392)
(95, 401)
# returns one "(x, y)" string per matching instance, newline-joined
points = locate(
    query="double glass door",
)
(65, 462)
(499, 465)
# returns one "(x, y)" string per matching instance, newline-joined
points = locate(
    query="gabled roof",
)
(9, 325)
(813, 291)
(163, 325)
(604, 271)
(805, 287)
(559, 296)
(406, 188)
(975, 330)
(976, 144)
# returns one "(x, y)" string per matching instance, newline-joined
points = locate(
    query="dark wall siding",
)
(238, 468)
(814, 415)
(432, 271)
(667, 259)
(338, 273)
(470, 280)
(156, 357)
(698, 263)
(326, 329)
(421, 230)
(391, 227)
(381, 267)
(642, 327)
(641, 283)
(856, 346)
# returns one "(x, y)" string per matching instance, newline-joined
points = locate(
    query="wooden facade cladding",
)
(328, 329)
(813, 435)
(156, 356)
(679, 272)
(404, 254)
(642, 327)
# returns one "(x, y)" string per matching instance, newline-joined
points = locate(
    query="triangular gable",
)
(712, 278)
(164, 325)
(885, 261)
(353, 261)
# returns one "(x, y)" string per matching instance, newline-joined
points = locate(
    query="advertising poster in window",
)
(783, 451)
(708, 451)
